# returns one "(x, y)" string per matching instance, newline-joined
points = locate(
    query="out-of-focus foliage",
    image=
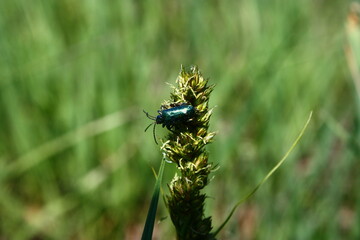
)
(75, 76)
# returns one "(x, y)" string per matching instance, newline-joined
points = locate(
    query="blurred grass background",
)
(75, 76)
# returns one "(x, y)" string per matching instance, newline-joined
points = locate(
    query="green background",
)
(75, 162)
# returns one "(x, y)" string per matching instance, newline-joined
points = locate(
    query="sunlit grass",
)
(66, 64)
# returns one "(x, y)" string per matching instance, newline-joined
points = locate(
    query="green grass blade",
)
(266, 177)
(150, 219)
(53, 147)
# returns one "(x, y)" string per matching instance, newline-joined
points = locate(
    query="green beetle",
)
(172, 117)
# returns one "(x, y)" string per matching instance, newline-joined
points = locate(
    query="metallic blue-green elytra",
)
(172, 117)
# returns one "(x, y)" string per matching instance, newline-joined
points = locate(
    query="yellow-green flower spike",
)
(186, 148)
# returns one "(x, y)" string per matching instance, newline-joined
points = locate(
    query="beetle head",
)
(159, 119)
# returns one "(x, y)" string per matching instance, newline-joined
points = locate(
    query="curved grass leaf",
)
(265, 178)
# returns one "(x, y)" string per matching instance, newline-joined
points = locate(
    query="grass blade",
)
(266, 177)
(150, 219)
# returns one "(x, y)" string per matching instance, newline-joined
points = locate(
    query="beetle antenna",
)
(149, 126)
(154, 133)
(149, 116)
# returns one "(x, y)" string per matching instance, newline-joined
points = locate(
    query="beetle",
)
(171, 117)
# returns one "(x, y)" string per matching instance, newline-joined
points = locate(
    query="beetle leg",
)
(169, 128)
(154, 134)
(149, 126)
